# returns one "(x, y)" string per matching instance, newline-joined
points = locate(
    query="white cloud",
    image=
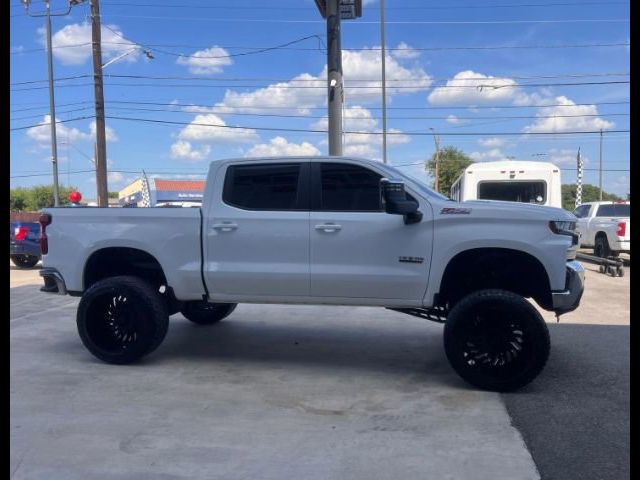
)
(362, 77)
(471, 88)
(280, 146)
(492, 142)
(16, 49)
(72, 43)
(185, 151)
(208, 61)
(110, 134)
(42, 132)
(405, 52)
(566, 118)
(115, 177)
(453, 119)
(566, 157)
(365, 138)
(488, 155)
(200, 130)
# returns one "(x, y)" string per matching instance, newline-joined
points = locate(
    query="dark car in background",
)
(24, 245)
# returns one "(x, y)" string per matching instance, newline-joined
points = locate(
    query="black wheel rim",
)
(115, 321)
(494, 342)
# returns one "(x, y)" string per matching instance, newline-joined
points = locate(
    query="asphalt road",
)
(575, 417)
(311, 392)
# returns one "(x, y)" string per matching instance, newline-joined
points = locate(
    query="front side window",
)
(614, 210)
(521, 191)
(346, 187)
(263, 187)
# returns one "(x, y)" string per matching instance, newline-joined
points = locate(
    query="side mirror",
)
(395, 201)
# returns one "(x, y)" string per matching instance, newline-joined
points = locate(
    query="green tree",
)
(113, 194)
(18, 199)
(38, 197)
(452, 163)
(590, 193)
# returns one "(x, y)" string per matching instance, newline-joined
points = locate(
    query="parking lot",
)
(278, 392)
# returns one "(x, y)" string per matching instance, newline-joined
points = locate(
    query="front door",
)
(257, 232)
(358, 250)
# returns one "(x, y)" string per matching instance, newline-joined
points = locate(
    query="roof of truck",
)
(513, 165)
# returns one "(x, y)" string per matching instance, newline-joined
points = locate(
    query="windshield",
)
(419, 184)
(614, 210)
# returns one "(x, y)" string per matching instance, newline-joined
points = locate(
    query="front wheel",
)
(121, 319)
(24, 261)
(496, 340)
(205, 313)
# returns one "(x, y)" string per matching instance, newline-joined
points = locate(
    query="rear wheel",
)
(121, 319)
(601, 248)
(205, 313)
(496, 340)
(24, 261)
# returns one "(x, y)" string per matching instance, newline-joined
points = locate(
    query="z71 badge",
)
(455, 211)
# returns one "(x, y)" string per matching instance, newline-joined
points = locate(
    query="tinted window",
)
(614, 210)
(262, 187)
(526, 192)
(582, 211)
(349, 187)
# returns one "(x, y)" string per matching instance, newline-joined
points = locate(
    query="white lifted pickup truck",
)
(324, 231)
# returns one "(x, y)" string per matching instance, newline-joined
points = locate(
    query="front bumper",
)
(569, 299)
(53, 281)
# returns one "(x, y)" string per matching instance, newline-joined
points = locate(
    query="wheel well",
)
(109, 262)
(502, 268)
(601, 234)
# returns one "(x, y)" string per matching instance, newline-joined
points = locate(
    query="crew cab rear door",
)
(256, 232)
(357, 250)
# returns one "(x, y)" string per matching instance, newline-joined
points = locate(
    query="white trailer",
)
(514, 181)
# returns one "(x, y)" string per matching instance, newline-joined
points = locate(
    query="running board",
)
(436, 314)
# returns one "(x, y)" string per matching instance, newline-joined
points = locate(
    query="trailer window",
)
(518, 191)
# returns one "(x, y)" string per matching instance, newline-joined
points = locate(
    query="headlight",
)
(563, 227)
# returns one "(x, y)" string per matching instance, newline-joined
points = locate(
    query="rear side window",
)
(263, 187)
(346, 187)
(614, 210)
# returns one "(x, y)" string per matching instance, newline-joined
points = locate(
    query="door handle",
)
(224, 226)
(329, 227)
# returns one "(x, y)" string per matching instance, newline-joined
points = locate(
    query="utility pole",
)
(600, 164)
(334, 77)
(384, 85)
(101, 143)
(334, 11)
(52, 102)
(436, 183)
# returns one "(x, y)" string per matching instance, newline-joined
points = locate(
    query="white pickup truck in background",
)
(324, 231)
(605, 227)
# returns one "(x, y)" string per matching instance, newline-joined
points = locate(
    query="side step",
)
(435, 314)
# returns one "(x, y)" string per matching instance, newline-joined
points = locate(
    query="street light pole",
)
(600, 164)
(436, 183)
(52, 111)
(52, 103)
(384, 85)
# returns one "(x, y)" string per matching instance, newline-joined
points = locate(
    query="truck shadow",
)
(327, 345)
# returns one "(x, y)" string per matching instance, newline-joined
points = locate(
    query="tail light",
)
(622, 229)
(44, 220)
(21, 233)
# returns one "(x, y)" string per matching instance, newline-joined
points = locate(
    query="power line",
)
(451, 48)
(280, 129)
(393, 22)
(44, 124)
(449, 7)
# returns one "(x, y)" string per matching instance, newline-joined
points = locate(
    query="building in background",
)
(162, 193)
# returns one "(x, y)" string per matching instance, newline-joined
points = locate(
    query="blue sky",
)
(447, 70)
